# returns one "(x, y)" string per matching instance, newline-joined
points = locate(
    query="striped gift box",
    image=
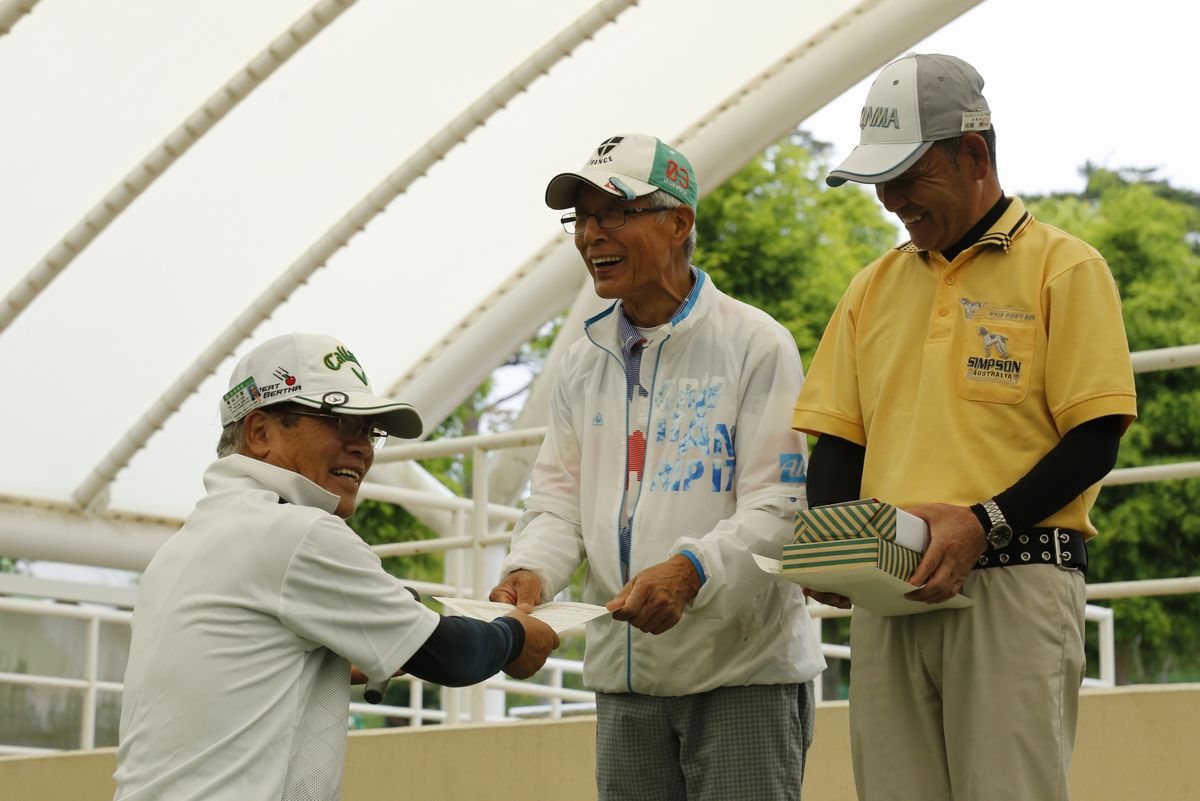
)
(867, 552)
(865, 518)
(843, 521)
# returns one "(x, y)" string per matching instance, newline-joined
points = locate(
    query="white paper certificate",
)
(868, 587)
(558, 615)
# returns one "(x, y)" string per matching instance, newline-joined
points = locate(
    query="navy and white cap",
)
(915, 101)
(312, 370)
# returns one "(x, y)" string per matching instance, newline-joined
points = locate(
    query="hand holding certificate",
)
(558, 615)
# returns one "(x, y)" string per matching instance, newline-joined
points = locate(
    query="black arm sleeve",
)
(835, 471)
(464, 651)
(1082, 457)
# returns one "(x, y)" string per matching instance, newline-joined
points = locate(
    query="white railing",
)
(471, 530)
(89, 682)
(560, 699)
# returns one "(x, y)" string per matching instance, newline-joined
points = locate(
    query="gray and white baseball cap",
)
(312, 370)
(915, 101)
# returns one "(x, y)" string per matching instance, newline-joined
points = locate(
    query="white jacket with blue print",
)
(724, 475)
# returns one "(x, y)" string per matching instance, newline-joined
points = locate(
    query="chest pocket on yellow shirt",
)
(995, 359)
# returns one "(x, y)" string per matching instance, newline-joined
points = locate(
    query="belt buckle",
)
(1058, 562)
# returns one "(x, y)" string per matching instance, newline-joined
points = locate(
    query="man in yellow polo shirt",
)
(978, 376)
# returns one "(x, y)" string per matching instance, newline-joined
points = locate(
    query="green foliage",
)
(774, 237)
(1148, 232)
(381, 523)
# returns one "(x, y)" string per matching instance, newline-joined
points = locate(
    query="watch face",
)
(1000, 535)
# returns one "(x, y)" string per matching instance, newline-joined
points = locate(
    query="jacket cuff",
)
(696, 564)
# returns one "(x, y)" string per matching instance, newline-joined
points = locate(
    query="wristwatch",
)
(1000, 534)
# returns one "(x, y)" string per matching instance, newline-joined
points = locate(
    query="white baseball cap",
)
(312, 370)
(628, 166)
(914, 102)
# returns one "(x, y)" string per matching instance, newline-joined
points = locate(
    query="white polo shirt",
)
(243, 633)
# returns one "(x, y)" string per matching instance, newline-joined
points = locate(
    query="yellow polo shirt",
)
(959, 376)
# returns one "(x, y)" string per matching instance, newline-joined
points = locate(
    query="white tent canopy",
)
(431, 124)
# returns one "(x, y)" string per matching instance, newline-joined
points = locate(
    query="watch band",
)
(993, 512)
(1000, 534)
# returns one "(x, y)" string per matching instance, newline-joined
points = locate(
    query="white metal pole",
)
(87, 719)
(479, 521)
(1147, 361)
(819, 680)
(454, 571)
(166, 153)
(1103, 617)
(1152, 472)
(11, 12)
(416, 702)
(457, 575)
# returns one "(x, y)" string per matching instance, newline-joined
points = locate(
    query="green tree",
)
(774, 237)
(1150, 234)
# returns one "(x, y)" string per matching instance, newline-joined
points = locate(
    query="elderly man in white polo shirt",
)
(249, 618)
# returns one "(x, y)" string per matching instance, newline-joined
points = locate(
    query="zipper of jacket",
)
(642, 484)
(628, 537)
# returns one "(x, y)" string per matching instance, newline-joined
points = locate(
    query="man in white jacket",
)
(669, 462)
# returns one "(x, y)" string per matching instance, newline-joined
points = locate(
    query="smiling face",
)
(642, 262)
(312, 447)
(941, 197)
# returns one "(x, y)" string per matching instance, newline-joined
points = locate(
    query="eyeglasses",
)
(350, 427)
(574, 222)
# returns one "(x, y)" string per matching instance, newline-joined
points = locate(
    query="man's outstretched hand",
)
(654, 599)
(521, 588)
(540, 640)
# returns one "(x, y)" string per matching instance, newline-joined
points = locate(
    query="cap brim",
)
(398, 419)
(876, 163)
(561, 191)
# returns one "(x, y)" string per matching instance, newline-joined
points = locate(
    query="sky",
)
(87, 89)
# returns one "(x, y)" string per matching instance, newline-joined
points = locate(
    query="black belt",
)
(1039, 546)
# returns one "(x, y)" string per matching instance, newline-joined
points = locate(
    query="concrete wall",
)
(1134, 744)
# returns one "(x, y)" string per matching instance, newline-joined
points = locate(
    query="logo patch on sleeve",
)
(791, 468)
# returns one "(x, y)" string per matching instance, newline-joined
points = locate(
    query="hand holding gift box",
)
(865, 550)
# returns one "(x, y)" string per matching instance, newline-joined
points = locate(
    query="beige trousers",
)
(977, 704)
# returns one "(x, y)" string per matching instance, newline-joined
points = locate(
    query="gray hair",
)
(233, 437)
(232, 440)
(664, 198)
